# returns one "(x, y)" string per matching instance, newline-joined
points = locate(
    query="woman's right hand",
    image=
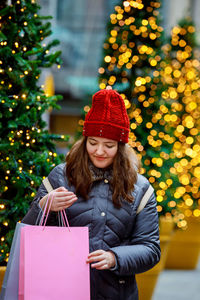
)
(62, 199)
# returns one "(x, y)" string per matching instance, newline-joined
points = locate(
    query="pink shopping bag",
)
(53, 263)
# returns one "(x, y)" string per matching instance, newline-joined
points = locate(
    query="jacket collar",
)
(100, 174)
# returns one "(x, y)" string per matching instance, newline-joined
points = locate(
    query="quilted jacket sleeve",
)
(143, 252)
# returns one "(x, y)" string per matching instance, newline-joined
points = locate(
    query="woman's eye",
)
(109, 146)
(93, 144)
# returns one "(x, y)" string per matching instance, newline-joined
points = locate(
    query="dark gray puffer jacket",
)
(134, 238)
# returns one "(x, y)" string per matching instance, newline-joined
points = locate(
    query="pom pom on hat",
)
(107, 117)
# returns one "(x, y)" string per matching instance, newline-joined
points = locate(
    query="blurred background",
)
(150, 55)
(80, 25)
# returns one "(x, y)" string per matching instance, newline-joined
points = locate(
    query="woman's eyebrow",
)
(94, 140)
(110, 143)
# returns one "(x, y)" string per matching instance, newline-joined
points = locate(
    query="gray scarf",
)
(100, 174)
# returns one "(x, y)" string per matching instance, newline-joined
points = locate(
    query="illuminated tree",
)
(131, 49)
(132, 57)
(27, 150)
(181, 77)
(171, 160)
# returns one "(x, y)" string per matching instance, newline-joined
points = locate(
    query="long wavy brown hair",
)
(125, 169)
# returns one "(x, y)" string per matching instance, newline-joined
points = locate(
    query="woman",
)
(99, 186)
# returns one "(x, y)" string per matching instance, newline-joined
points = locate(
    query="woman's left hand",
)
(101, 260)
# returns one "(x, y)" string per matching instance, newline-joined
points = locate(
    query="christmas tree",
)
(181, 78)
(132, 47)
(132, 64)
(27, 150)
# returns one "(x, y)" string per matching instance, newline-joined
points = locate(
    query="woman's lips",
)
(100, 158)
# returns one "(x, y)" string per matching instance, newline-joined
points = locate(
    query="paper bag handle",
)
(45, 213)
(63, 215)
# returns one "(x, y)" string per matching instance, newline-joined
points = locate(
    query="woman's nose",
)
(99, 150)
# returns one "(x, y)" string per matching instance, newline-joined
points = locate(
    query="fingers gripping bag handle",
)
(49, 201)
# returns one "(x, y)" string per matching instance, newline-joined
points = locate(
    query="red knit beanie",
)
(107, 117)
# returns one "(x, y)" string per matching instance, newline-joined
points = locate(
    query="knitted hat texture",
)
(107, 117)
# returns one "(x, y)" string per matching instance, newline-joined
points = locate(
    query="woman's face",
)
(101, 151)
